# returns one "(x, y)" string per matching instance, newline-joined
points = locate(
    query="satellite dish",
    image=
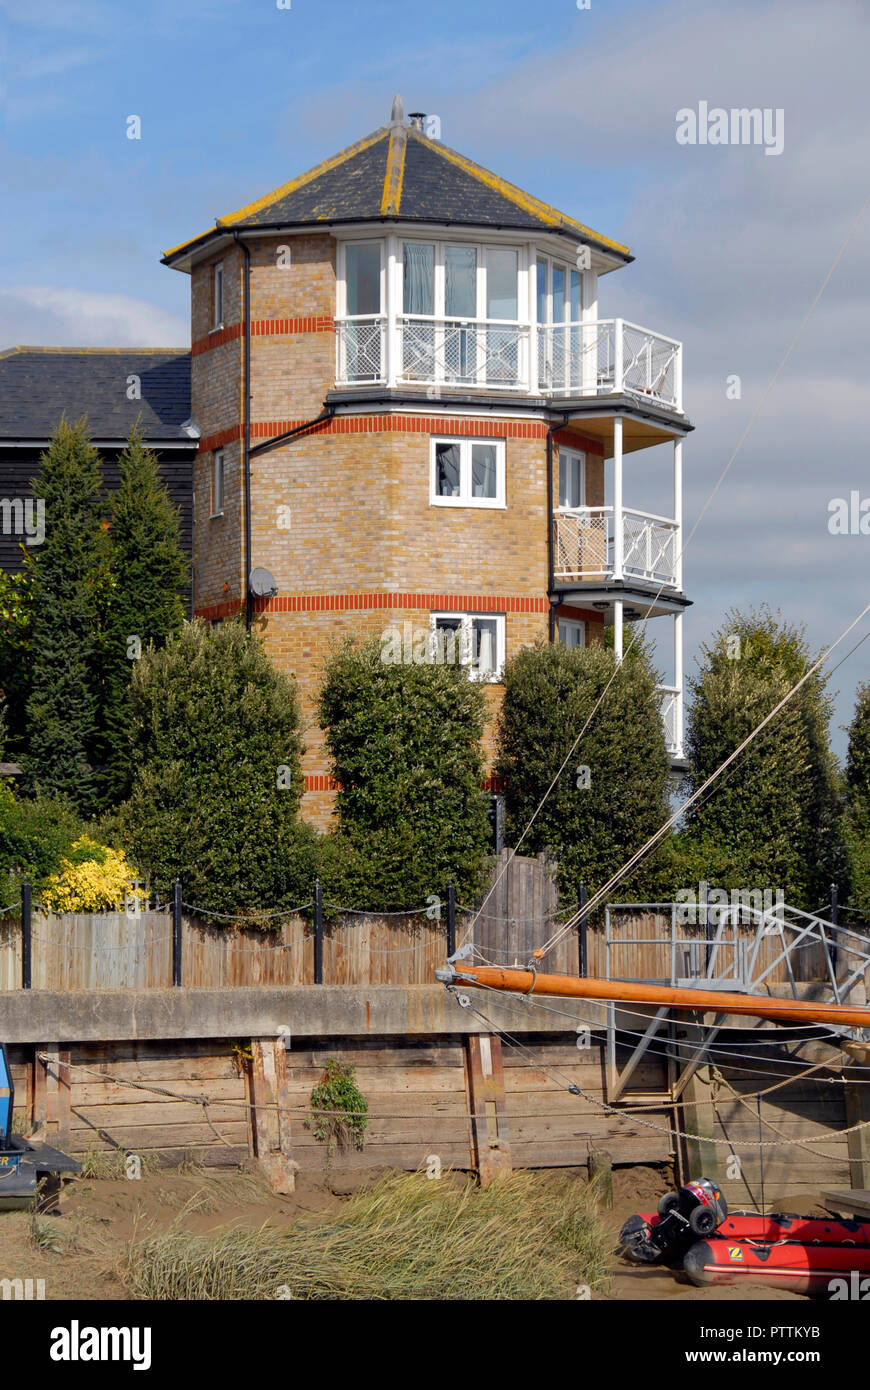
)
(262, 584)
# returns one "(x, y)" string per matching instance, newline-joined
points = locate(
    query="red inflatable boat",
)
(840, 1271)
(750, 1225)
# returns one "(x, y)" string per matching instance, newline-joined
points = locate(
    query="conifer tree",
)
(144, 605)
(68, 577)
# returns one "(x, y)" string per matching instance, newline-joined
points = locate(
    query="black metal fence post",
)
(318, 933)
(26, 934)
(451, 919)
(582, 935)
(176, 933)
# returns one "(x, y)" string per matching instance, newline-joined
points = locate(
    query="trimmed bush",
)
(405, 747)
(613, 792)
(772, 819)
(217, 780)
(857, 814)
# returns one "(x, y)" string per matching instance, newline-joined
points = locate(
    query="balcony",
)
(585, 549)
(569, 360)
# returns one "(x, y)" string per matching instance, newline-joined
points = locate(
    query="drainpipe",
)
(551, 558)
(326, 414)
(246, 438)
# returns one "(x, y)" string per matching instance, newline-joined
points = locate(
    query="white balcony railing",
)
(610, 356)
(607, 357)
(584, 546)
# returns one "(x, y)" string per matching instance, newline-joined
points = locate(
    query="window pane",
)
(419, 293)
(501, 283)
(575, 297)
(483, 470)
(447, 470)
(447, 643)
(542, 291)
(364, 278)
(484, 646)
(460, 291)
(570, 480)
(558, 294)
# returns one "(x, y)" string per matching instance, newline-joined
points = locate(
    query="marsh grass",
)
(526, 1236)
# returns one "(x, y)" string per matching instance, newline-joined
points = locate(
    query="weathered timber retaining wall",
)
(436, 1077)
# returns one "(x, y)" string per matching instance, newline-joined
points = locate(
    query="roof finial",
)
(398, 112)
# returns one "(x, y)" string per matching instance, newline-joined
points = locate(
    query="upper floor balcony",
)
(600, 543)
(570, 360)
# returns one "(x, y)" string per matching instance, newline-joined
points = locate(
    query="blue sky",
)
(579, 107)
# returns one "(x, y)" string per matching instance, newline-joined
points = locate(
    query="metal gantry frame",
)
(723, 958)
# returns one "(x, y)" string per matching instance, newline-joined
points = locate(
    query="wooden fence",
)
(114, 951)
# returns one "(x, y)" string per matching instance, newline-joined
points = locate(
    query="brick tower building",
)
(413, 421)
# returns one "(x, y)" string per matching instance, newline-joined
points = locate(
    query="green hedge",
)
(214, 724)
(550, 692)
(405, 747)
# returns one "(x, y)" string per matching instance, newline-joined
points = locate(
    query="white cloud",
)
(64, 317)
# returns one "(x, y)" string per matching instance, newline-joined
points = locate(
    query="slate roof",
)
(399, 174)
(38, 385)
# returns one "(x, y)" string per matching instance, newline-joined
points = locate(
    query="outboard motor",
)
(683, 1216)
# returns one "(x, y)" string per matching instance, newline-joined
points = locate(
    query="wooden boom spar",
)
(621, 991)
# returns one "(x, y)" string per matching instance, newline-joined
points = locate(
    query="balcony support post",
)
(618, 523)
(617, 630)
(678, 682)
(678, 513)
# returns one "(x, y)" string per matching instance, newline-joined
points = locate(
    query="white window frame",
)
(551, 262)
(440, 278)
(580, 455)
(466, 620)
(217, 305)
(572, 625)
(465, 499)
(217, 484)
(342, 277)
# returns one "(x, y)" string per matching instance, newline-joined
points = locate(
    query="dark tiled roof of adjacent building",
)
(39, 385)
(399, 174)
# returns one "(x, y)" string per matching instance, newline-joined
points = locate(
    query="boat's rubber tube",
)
(787, 1265)
(750, 1225)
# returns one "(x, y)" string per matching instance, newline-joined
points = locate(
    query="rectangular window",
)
(467, 473)
(502, 266)
(470, 640)
(572, 633)
(460, 282)
(560, 293)
(217, 483)
(572, 479)
(362, 270)
(218, 298)
(418, 295)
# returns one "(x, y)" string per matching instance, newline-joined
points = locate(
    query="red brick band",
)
(341, 603)
(405, 424)
(265, 328)
(320, 782)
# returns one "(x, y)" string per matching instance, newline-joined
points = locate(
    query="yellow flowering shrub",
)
(92, 878)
